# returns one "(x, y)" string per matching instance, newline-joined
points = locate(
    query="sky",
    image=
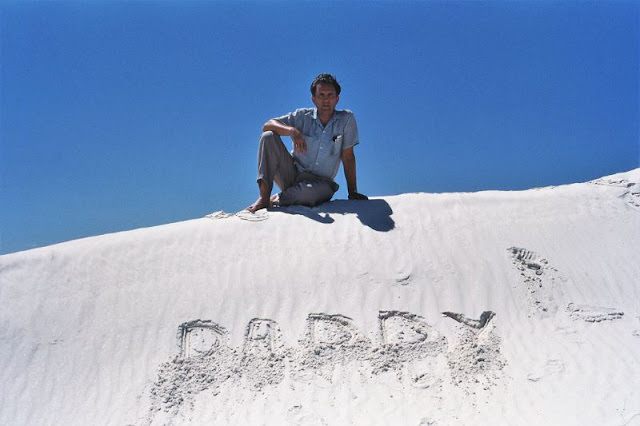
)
(118, 115)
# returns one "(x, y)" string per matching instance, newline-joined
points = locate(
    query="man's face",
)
(325, 98)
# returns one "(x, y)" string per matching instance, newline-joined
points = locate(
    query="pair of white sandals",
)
(245, 214)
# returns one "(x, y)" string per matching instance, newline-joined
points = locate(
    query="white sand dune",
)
(334, 315)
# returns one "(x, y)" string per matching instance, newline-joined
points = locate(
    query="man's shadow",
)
(376, 214)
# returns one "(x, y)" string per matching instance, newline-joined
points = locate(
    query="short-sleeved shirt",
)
(324, 143)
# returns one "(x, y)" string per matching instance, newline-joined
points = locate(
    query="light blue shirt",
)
(324, 143)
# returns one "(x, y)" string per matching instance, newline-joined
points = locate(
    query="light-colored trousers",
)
(275, 164)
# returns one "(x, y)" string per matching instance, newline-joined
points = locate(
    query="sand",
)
(503, 308)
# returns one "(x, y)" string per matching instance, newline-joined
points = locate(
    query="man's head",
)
(325, 92)
(325, 79)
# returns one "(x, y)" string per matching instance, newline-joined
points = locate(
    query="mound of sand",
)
(422, 309)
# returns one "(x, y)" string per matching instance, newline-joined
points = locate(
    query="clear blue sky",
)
(118, 115)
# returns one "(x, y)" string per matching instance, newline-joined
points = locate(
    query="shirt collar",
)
(315, 115)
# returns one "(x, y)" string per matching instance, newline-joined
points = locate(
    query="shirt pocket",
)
(336, 146)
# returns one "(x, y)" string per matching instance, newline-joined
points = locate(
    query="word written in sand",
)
(406, 346)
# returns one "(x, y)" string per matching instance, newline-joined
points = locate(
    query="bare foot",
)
(260, 203)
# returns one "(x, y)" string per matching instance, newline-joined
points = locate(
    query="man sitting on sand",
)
(322, 138)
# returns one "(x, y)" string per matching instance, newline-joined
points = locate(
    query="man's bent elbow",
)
(272, 125)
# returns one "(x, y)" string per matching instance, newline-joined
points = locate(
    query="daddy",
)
(323, 137)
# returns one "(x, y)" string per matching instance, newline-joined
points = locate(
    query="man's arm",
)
(273, 125)
(349, 166)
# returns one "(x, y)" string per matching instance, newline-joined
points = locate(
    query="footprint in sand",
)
(552, 367)
(538, 277)
(633, 198)
(528, 259)
(593, 313)
(631, 191)
(403, 279)
(427, 373)
(201, 338)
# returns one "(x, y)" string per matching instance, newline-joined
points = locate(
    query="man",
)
(322, 138)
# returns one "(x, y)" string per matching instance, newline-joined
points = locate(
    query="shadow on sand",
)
(376, 214)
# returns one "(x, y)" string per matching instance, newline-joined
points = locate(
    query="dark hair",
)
(326, 79)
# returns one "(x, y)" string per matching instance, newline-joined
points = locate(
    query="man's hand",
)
(299, 144)
(357, 196)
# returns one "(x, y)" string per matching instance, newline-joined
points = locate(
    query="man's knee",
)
(307, 193)
(270, 137)
(271, 142)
